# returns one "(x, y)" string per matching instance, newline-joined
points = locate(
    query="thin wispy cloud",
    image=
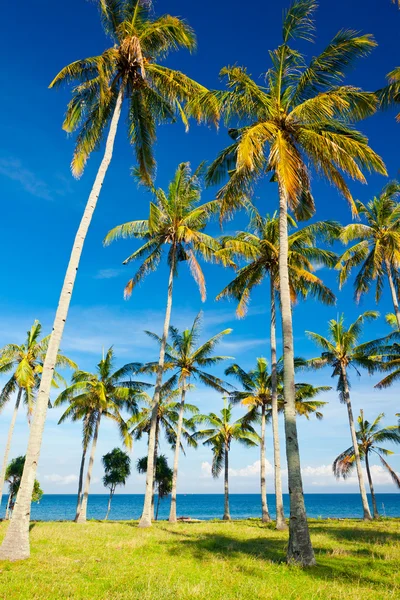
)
(107, 273)
(13, 169)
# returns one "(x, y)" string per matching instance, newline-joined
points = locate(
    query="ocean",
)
(59, 507)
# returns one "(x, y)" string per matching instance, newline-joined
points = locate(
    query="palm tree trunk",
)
(394, 294)
(364, 499)
(83, 510)
(172, 512)
(371, 487)
(15, 545)
(81, 471)
(300, 550)
(109, 503)
(8, 507)
(227, 515)
(158, 505)
(264, 504)
(280, 516)
(145, 519)
(155, 467)
(8, 443)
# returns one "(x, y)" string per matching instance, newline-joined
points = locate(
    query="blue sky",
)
(42, 205)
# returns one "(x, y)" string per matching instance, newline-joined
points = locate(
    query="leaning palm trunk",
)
(83, 509)
(364, 499)
(264, 504)
(280, 516)
(8, 507)
(394, 293)
(300, 550)
(172, 512)
(15, 545)
(8, 444)
(112, 490)
(145, 519)
(81, 471)
(371, 487)
(227, 514)
(153, 497)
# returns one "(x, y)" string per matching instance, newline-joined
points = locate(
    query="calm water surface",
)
(55, 507)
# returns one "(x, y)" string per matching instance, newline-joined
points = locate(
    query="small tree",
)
(13, 477)
(163, 477)
(117, 467)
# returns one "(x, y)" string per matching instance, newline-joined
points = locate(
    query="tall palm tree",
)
(342, 351)
(370, 437)
(103, 394)
(176, 220)
(301, 115)
(188, 361)
(154, 93)
(260, 248)
(258, 395)
(219, 435)
(25, 361)
(378, 246)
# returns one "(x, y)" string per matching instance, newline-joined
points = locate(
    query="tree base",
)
(226, 518)
(15, 545)
(281, 526)
(266, 518)
(144, 523)
(172, 520)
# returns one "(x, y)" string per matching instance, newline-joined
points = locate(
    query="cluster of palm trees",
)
(301, 118)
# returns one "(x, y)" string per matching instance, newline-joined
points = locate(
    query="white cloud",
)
(205, 469)
(107, 273)
(61, 479)
(13, 169)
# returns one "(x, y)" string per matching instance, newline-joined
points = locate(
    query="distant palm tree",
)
(176, 220)
(301, 116)
(370, 438)
(129, 70)
(257, 395)
(101, 394)
(390, 94)
(220, 434)
(260, 248)
(378, 247)
(117, 467)
(342, 351)
(188, 361)
(25, 361)
(13, 478)
(162, 477)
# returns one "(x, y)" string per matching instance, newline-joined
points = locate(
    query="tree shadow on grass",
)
(356, 534)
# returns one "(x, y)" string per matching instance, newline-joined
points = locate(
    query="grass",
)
(211, 560)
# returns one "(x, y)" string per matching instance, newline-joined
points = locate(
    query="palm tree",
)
(187, 361)
(13, 477)
(176, 220)
(168, 418)
(103, 394)
(219, 435)
(390, 94)
(117, 468)
(25, 361)
(260, 248)
(378, 247)
(301, 115)
(342, 351)
(162, 477)
(128, 70)
(258, 394)
(369, 436)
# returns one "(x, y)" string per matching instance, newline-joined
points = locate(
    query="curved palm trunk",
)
(83, 510)
(300, 550)
(172, 512)
(145, 519)
(112, 490)
(264, 504)
(15, 545)
(81, 471)
(371, 487)
(394, 294)
(227, 515)
(364, 499)
(8, 507)
(155, 467)
(280, 515)
(8, 443)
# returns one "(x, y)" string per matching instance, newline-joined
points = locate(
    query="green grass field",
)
(242, 559)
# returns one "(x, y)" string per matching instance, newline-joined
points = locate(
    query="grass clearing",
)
(210, 560)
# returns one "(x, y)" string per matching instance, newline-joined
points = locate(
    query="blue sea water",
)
(56, 507)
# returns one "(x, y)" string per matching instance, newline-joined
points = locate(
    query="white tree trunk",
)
(364, 499)
(227, 514)
(172, 512)
(83, 509)
(81, 470)
(8, 443)
(300, 550)
(371, 487)
(112, 490)
(280, 516)
(145, 519)
(394, 294)
(263, 483)
(15, 545)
